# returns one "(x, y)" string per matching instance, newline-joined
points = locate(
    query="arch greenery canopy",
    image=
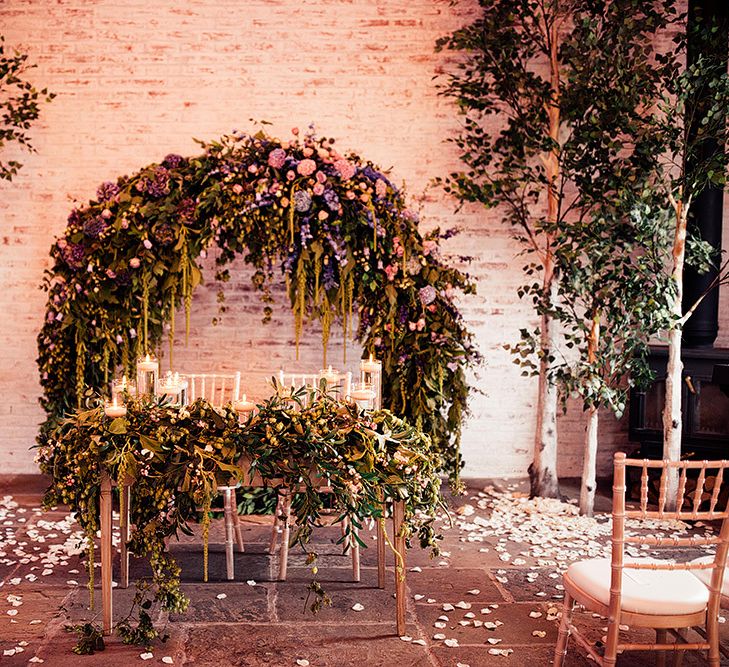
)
(334, 225)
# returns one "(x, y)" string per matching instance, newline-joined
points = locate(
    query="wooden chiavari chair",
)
(647, 592)
(290, 382)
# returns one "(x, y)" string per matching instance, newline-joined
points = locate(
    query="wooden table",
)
(107, 553)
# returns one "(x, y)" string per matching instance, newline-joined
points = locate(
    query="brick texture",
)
(137, 80)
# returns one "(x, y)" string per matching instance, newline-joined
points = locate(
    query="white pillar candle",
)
(371, 374)
(170, 387)
(244, 408)
(332, 378)
(147, 374)
(114, 409)
(363, 395)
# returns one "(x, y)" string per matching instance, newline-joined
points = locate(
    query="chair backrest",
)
(673, 503)
(216, 388)
(289, 380)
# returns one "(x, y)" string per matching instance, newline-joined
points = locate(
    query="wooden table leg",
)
(354, 545)
(124, 500)
(398, 516)
(381, 547)
(229, 530)
(106, 553)
(283, 560)
(276, 522)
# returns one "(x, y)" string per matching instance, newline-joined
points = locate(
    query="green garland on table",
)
(176, 457)
(335, 226)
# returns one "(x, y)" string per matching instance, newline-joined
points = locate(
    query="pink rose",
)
(323, 215)
(306, 167)
(252, 168)
(295, 131)
(147, 244)
(308, 152)
(106, 214)
(237, 188)
(391, 271)
(429, 247)
(318, 189)
(134, 262)
(321, 177)
(323, 153)
(290, 175)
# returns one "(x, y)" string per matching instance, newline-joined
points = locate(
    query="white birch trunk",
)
(672, 419)
(543, 469)
(589, 464)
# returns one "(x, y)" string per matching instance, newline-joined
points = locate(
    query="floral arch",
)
(336, 227)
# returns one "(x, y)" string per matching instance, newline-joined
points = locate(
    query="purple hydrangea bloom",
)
(74, 254)
(427, 294)
(164, 234)
(331, 199)
(172, 161)
(302, 201)
(74, 219)
(186, 209)
(159, 186)
(277, 158)
(95, 227)
(107, 191)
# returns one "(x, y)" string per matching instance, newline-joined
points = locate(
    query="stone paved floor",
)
(267, 624)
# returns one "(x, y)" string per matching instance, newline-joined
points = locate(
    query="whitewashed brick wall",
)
(137, 80)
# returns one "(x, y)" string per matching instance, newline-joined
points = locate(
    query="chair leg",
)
(355, 553)
(560, 650)
(611, 646)
(678, 657)
(661, 638)
(712, 635)
(229, 562)
(276, 523)
(283, 561)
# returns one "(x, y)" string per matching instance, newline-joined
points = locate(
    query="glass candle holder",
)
(244, 408)
(114, 408)
(363, 395)
(170, 388)
(147, 375)
(370, 371)
(122, 386)
(336, 382)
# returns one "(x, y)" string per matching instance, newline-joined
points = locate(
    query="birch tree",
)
(535, 86)
(683, 172)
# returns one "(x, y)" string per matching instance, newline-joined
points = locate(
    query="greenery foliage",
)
(177, 456)
(19, 105)
(333, 225)
(602, 241)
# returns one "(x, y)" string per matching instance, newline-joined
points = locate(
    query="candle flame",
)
(147, 358)
(114, 400)
(244, 398)
(330, 369)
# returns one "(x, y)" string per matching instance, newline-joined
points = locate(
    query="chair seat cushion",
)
(664, 592)
(704, 576)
